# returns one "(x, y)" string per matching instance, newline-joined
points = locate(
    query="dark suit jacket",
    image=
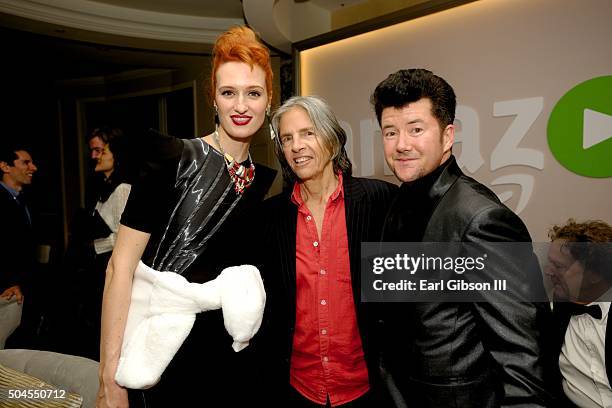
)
(484, 354)
(365, 205)
(561, 318)
(16, 242)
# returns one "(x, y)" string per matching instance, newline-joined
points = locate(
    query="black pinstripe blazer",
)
(366, 203)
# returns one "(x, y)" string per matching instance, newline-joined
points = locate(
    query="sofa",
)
(21, 369)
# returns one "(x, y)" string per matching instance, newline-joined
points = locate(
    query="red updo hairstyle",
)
(241, 44)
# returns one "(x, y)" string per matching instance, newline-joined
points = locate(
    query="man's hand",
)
(13, 291)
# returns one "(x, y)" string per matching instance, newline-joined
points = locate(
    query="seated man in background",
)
(580, 268)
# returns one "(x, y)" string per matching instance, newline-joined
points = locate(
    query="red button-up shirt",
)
(327, 358)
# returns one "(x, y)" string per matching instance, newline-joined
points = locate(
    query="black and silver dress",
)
(187, 202)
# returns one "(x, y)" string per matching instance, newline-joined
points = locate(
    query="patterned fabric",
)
(18, 381)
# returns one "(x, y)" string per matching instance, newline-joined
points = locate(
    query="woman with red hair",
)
(184, 218)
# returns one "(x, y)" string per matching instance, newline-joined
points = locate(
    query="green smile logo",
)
(580, 128)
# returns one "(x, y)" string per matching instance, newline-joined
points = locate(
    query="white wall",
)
(509, 62)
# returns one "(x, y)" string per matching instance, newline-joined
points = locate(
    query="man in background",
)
(580, 269)
(16, 244)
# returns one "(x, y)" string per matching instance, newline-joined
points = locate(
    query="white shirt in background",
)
(583, 360)
(111, 211)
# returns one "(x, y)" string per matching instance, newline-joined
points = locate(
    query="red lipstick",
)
(241, 120)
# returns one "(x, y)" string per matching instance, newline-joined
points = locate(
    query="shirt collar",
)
(605, 306)
(605, 309)
(296, 194)
(13, 192)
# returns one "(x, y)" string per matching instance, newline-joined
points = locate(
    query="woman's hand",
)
(111, 395)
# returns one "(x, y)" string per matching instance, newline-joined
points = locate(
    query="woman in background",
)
(93, 236)
(185, 217)
(112, 191)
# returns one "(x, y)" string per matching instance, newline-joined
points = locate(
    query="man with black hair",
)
(16, 245)
(449, 354)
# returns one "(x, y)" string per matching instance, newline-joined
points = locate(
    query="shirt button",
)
(308, 218)
(323, 302)
(316, 244)
(323, 272)
(323, 331)
(326, 359)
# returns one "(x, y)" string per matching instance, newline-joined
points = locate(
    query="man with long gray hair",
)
(319, 336)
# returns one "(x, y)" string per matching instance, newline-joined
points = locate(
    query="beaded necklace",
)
(240, 175)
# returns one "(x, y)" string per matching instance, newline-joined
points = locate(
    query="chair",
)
(73, 374)
(10, 317)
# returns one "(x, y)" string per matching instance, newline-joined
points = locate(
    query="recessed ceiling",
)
(212, 8)
(202, 8)
(79, 38)
(333, 5)
(64, 59)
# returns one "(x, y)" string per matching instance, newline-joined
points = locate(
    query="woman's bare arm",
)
(115, 304)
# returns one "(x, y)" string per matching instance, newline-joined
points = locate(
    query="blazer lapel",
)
(426, 202)
(286, 243)
(356, 223)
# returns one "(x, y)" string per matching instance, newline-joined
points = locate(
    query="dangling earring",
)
(216, 122)
(272, 134)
